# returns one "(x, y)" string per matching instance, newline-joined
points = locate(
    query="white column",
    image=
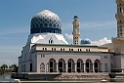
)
(93, 67)
(66, 67)
(48, 69)
(101, 67)
(75, 67)
(122, 9)
(98, 67)
(84, 68)
(56, 67)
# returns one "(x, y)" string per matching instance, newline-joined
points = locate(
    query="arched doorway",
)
(89, 66)
(42, 67)
(80, 65)
(61, 65)
(97, 65)
(71, 65)
(30, 67)
(52, 65)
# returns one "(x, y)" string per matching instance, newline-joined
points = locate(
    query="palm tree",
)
(13, 67)
(3, 67)
(10, 68)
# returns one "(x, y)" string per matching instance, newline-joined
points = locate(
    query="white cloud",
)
(69, 36)
(98, 43)
(101, 41)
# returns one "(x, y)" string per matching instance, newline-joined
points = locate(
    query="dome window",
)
(41, 25)
(50, 25)
(31, 26)
(45, 24)
(41, 20)
(54, 25)
(36, 25)
(41, 30)
(46, 20)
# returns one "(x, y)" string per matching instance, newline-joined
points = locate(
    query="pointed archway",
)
(71, 65)
(80, 65)
(89, 67)
(97, 65)
(52, 65)
(61, 65)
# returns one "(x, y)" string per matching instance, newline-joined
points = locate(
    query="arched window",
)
(42, 67)
(51, 41)
(106, 67)
(120, 9)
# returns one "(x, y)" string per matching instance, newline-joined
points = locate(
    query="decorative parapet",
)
(117, 38)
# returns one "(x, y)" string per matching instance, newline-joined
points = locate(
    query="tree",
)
(13, 67)
(3, 67)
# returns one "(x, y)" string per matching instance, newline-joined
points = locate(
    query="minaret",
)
(76, 32)
(120, 18)
(118, 42)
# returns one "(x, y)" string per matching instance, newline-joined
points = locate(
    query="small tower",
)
(118, 42)
(76, 32)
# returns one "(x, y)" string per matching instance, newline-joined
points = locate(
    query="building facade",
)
(47, 50)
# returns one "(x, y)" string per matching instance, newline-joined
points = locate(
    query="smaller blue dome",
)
(86, 41)
(75, 16)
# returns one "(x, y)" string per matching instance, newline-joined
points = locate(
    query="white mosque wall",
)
(117, 62)
(105, 60)
(112, 61)
(122, 62)
(103, 57)
(30, 56)
(24, 59)
(34, 62)
(75, 48)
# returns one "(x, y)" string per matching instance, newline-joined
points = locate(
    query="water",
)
(7, 78)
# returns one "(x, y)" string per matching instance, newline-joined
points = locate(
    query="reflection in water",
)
(6, 78)
(9, 79)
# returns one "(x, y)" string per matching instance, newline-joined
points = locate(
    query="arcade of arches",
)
(71, 66)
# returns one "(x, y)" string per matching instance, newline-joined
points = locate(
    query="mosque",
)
(47, 50)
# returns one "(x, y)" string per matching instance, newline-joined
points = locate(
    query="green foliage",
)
(4, 68)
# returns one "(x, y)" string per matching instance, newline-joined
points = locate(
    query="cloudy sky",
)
(97, 22)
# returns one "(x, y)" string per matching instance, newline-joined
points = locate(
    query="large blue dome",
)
(86, 41)
(45, 22)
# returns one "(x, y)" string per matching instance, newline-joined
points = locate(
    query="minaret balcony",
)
(117, 38)
(119, 1)
(119, 16)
